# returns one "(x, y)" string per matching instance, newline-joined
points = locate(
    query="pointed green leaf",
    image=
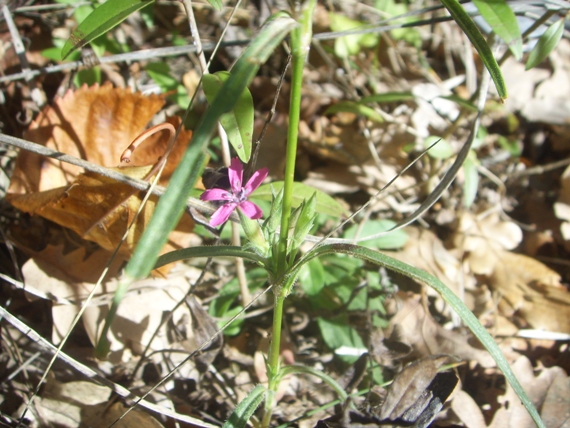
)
(470, 29)
(388, 97)
(356, 108)
(244, 410)
(104, 18)
(545, 44)
(238, 123)
(325, 203)
(216, 4)
(471, 179)
(503, 22)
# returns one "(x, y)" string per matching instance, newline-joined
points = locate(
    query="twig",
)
(37, 95)
(106, 172)
(145, 54)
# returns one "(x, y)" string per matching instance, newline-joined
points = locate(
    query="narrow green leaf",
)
(449, 296)
(104, 18)
(470, 29)
(207, 251)
(545, 44)
(471, 179)
(216, 4)
(503, 22)
(241, 414)
(325, 203)
(388, 97)
(356, 108)
(238, 123)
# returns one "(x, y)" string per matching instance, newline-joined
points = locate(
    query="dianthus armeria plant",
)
(274, 243)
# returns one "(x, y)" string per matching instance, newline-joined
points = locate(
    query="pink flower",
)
(237, 196)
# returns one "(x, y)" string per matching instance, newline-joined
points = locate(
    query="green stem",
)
(300, 45)
(298, 63)
(273, 360)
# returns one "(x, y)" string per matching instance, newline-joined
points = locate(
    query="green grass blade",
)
(171, 205)
(470, 29)
(104, 18)
(207, 251)
(545, 44)
(455, 302)
(240, 416)
(503, 22)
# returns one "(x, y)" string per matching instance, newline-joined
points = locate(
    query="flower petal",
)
(251, 210)
(216, 195)
(255, 181)
(222, 214)
(235, 173)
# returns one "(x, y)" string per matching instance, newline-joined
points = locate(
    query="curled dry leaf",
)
(532, 290)
(418, 392)
(427, 337)
(95, 124)
(482, 237)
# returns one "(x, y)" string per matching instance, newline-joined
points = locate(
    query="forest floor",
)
(370, 105)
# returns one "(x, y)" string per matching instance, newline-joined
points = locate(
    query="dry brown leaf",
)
(427, 337)
(467, 410)
(409, 386)
(80, 403)
(482, 237)
(96, 124)
(532, 290)
(97, 208)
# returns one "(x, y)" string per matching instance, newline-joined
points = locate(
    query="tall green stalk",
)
(300, 45)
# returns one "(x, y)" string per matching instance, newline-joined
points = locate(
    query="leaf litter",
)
(503, 255)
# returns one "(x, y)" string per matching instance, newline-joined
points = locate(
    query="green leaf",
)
(471, 183)
(325, 203)
(216, 4)
(503, 22)
(355, 107)
(345, 46)
(160, 73)
(244, 410)
(337, 333)
(238, 123)
(392, 241)
(312, 277)
(545, 44)
(470, 29)
(441, 150)
(104, 18)
(388, 97)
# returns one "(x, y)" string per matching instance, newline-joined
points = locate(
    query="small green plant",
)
(274, 244)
